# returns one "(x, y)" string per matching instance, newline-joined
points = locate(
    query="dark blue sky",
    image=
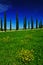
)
(26, 8)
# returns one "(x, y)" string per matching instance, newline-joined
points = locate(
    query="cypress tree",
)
(17, 22)
(32, 23)
(10, 24)
(28, 25)
(36, 23)
(5, 21)
(25, 22)
(40, 24)
(1, 25)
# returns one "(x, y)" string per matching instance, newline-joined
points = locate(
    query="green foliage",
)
(25, 56)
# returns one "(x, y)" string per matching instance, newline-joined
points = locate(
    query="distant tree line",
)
(17, 23)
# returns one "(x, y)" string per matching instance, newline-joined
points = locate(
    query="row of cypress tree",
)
(17, 23)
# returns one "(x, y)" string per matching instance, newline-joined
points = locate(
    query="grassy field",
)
(11, 42)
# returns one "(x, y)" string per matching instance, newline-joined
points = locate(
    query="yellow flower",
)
(26, 55)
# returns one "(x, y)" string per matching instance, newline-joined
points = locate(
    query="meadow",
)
(14, 41)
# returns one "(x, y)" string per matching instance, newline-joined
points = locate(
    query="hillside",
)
(12, 42)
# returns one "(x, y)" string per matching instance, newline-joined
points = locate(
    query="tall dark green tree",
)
(17, 22)
(10, 24)
(1, 25)
(25, 22)
(28, 25)
(40, 24)
(36, 23)
(32, 26)
(5, 21)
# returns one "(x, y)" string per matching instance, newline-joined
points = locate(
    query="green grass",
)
(11, 42)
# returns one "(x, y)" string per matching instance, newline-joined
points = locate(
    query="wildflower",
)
(26, 55)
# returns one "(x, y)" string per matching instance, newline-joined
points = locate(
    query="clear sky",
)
(26, 8)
